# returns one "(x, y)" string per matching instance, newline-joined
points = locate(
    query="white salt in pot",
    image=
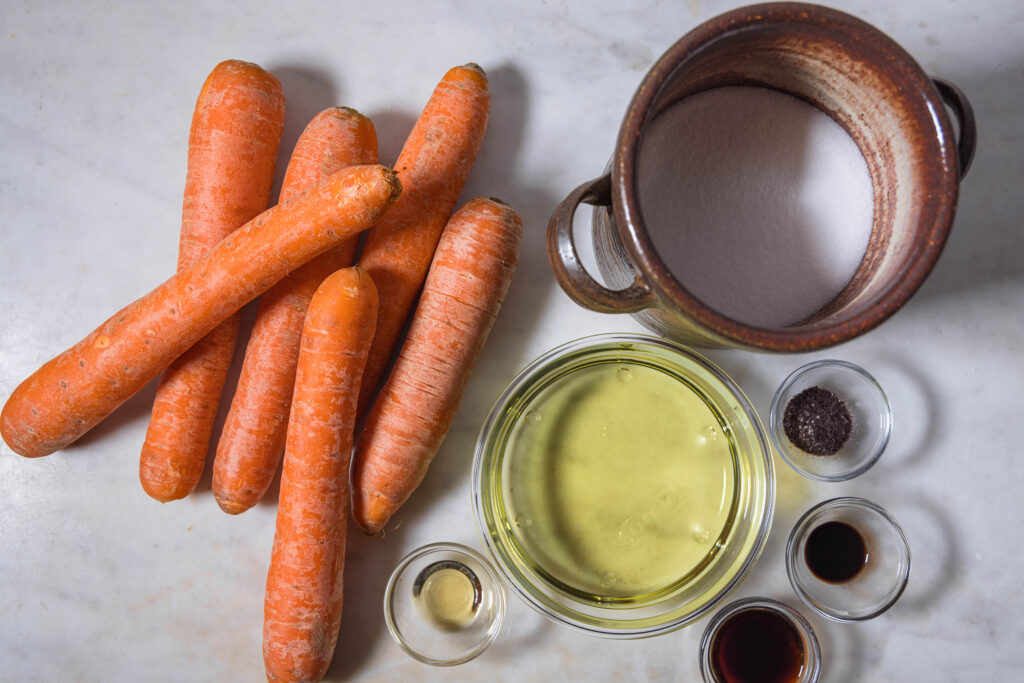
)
(894, 112)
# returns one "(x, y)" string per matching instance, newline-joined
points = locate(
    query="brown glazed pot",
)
(850, 70)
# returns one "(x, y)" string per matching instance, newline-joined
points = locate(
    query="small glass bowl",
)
(811, 669)
(881, 581)
(433, 639)
(868, 406)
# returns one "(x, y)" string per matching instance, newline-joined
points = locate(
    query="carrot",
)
(433, 165)
(253, 436)
(71, 393)
(469, 277)
(302, 608)
(232, 149)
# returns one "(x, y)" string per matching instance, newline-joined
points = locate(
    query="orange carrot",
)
(252, 440)
(71, 393)
(433, 166)
(468, 280)
(302, 608)
(232, 149)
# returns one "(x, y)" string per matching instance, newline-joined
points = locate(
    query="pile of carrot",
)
(315, 397)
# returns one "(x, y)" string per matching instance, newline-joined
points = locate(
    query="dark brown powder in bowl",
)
(817, 421)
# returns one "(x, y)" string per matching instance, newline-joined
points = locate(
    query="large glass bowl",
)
(746, 503)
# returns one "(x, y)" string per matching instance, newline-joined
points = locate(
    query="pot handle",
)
(565, 261)
(957, 101)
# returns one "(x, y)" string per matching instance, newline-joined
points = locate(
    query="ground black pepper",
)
(817, 421)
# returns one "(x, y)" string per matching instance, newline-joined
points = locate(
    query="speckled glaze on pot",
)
(869, 85)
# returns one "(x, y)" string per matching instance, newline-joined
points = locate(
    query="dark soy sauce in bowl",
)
(835, 552)
(757, 646)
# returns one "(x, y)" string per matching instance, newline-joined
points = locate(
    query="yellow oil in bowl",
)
(620, 482)
(623, 485)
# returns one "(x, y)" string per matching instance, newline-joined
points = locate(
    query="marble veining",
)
(102, 583)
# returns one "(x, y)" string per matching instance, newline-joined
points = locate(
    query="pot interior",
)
(868, 85)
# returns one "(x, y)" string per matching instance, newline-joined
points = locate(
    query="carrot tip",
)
(230, 506)
(475, 67)
(237, 63)
(372, 530)
(342, 111)
(498, 200)
(391, 176)
(371, 510)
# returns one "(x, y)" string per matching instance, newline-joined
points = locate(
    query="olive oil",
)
(622, 481)
(448, 593)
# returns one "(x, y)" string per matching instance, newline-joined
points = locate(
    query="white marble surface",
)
(98, 582)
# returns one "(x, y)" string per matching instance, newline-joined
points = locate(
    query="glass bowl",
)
(444, 604)
(750, 624)
(623, 485)
(839, 576)
(867, 406)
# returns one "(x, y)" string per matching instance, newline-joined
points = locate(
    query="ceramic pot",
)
(894, 112)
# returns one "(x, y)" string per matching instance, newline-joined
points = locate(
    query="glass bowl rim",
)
(596, 342)
(776, 411)
(807, 518)
(455, 548)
